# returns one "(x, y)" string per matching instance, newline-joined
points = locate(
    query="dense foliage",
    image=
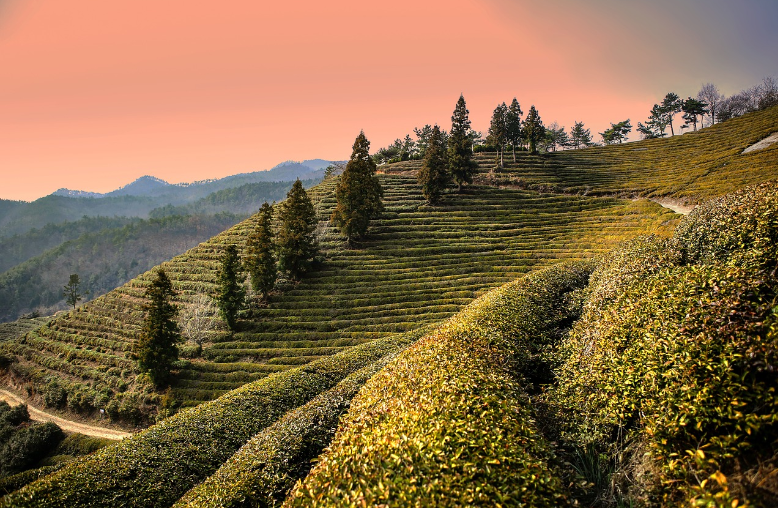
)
(260, 259)
(230, 294)
(23, 443)
(157, 466)
(104, 260)
(460, 146)
(448, 423)
(156, 348)
(674, 358)
(433, 175)
(296, 241)
(358, 193)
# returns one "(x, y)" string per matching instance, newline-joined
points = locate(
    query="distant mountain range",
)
(151, 186)
(139, 198)
(109, 238)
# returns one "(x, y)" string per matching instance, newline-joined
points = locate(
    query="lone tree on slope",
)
(230, 295)
(295, 241)
(433, 175)
(460, 146)
(358, 193)
(260, 261)
(156, 348)
(71, 291)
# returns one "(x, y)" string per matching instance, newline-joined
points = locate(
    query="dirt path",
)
(67, 425)
(677, 208)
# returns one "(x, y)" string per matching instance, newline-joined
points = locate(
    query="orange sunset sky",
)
(96, 93)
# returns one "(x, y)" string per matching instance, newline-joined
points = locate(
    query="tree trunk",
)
(513, 145)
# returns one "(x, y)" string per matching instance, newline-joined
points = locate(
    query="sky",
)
(95, 93)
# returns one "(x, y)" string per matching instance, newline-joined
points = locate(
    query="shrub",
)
(448, 422)
(157, 466)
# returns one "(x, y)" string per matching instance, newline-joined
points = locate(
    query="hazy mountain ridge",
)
(137, 198)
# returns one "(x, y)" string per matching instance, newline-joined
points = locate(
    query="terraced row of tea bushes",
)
(419, 266)
(692, 167)
(157, 466)
(17, 328)
(449, 423)
(670, 372)
(263, 471)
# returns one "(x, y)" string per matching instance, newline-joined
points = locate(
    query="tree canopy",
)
(156, 348)
(358, 193)
(230, 295)
(498, 130)
(513, 125)
(433, 174)
(295, 241)
(460, 146)
(260, 261)
(534, 132)
(71, 291)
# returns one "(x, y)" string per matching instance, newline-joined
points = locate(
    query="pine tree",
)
(295, 241)
(358, 193)
(498, 130)
(71, 290)
(671, 105)
(513, 125)
(579, 136)
(460, 146)
(534, 132)
(433, 175)
(230, 295)
(156, 348)
(260, 261)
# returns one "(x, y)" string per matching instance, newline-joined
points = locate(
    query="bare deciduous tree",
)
(199, 319)
(710, 95)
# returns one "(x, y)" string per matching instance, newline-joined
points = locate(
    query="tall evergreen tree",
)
(460, 146)
(534, 132)
(71, 291)
(692, 108)
(498, 130)
(260, 261)
(295, 241)
(230, 295)
(513, 125)
(358, 193)
(433, 175)
(156, 348)
(579, 136)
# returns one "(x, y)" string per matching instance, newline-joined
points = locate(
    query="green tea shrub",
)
(671, 368)
(449, 422)
(263, 471)
(157, 466)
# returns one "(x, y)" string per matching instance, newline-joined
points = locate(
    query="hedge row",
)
(673, 374)
(157, 466)
(448, 422)
(263, 471)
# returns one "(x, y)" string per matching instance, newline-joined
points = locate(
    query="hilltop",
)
(587, 379)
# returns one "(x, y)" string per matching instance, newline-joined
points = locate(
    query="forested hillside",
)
(106, 252)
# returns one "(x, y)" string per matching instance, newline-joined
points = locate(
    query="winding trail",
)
(68, 425)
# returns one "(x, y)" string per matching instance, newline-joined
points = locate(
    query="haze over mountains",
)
(108, 238)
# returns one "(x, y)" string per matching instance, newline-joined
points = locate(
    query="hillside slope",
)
(689, 168)
(419, 266)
